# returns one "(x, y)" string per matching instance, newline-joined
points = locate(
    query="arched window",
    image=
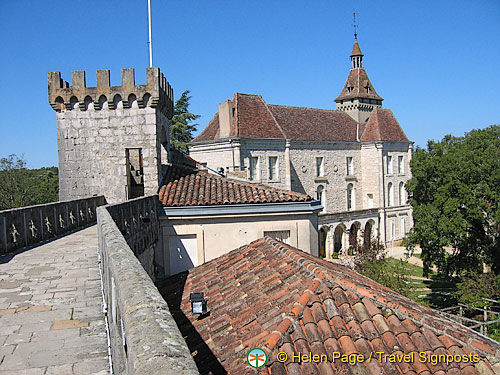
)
(350, 198)
(320, 195)
(390, 200)
(402, 199)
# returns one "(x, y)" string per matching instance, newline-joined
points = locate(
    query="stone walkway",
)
(51, 319)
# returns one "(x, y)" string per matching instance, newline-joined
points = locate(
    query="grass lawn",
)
(407, 268)
(433, 291)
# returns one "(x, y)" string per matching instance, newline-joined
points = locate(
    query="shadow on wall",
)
(296, 184)
(180, 257)
(172, 290)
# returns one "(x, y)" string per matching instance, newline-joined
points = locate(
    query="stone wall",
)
(334, 179)
(145, 339)
(137, 221)
(96, 126)
(27, 226)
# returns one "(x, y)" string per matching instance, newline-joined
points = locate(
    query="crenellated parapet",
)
(156, 93)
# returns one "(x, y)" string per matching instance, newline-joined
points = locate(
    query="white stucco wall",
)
(217, 236)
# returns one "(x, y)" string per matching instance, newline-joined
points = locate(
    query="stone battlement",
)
(156, 93)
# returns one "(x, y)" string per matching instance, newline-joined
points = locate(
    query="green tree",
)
(14, 184)
(181, 128)
(455, 194)
(21, 187)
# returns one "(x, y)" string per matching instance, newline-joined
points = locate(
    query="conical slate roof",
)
(356, 51)
(358, 85)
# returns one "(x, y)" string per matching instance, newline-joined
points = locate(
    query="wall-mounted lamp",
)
(198, 303)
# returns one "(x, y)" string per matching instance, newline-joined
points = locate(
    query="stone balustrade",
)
(28, 226)
(144, 336)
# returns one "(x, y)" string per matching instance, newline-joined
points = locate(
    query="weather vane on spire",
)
(355, 25)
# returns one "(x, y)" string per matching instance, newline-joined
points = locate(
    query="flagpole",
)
(150, 42)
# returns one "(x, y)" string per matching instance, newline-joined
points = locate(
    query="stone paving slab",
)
(51, 319)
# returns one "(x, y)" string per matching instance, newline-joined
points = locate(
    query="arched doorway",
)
(323, 232)
(353, 235)
(367, 236)
(337, 238)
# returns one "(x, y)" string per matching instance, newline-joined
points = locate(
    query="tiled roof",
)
(383, 126)
(355, 87)
(356, 51)
(203, 189)
(257, 119)
(314, 124)
(252, 110)
(273, 296)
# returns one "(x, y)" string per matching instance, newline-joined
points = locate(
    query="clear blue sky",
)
(436, 63)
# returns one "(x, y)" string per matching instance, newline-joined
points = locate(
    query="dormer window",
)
(368, 88)
(349, 89)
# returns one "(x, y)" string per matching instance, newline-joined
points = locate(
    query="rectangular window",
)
(401, 169)
(389, 165)
(350, 167)
(280, 235)
(403, 227)
(273, 167)
(319, 167)
(254, 168)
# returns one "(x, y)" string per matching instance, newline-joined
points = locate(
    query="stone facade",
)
(356, 159)
(111, 139)
(369, 176)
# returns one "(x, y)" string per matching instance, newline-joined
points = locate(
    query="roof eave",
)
(311, 206)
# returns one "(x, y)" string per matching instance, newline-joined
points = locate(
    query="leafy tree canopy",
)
(455, 194)
(21, 187)
(181, 128)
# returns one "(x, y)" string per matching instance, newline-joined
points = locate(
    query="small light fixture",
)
(198, 303)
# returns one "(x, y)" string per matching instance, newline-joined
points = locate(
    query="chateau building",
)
(355, 159)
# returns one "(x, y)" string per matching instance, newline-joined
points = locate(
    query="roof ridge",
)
(315, 109)
(272, 116)
(298, 307)
(257, 185)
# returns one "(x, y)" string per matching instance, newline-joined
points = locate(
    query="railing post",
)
(25, 228)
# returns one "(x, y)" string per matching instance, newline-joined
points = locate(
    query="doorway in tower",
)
(135, 172)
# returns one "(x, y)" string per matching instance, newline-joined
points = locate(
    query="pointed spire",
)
(358, 97)
(356, 51)
(356, 56)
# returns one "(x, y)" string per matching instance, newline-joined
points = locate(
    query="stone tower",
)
(358, 98)
(111, 139)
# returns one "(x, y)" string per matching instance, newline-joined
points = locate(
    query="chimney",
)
(225, 118)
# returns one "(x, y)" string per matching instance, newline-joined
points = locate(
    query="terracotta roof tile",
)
(314, 124)
(202, 189)
(254, 118)
(382, 126)
(318, 314)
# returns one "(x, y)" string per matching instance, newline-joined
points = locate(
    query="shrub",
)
(372, 263)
